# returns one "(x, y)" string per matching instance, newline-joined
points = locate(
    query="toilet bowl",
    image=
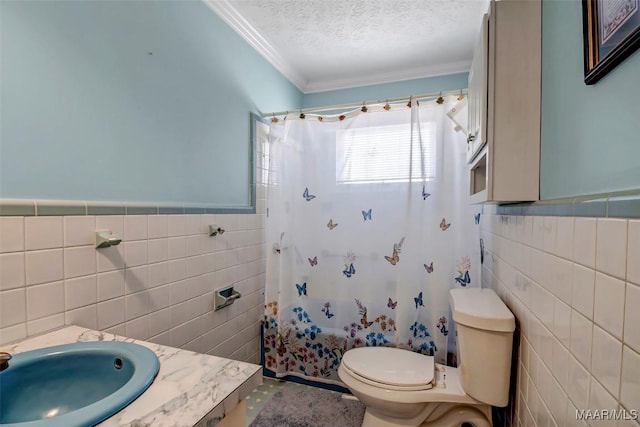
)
(402, 388)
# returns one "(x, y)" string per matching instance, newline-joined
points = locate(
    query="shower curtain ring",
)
(364, 108)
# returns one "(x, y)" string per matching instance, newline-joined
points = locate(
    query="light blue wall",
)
(387, 90)
(129, 101)
(590, 134)
(78, 83)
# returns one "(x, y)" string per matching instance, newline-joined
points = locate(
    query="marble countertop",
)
(191, 389)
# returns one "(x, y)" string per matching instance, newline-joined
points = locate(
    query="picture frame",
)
(611, 30)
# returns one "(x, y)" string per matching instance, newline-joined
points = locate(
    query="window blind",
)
(384, 154)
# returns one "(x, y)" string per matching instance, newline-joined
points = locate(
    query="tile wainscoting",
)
(573, 283)
(157, 285)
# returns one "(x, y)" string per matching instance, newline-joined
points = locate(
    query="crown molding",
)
(236, 21)
(229, 14)
(388, 77)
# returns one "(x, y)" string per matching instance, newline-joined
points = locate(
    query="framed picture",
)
(611, 33)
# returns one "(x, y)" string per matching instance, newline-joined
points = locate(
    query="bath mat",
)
(302, 406)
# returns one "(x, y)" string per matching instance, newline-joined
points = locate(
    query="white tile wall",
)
(630, 390)
(12, 273)
(157, 285)
(44, 266)
(633, 252)
(79, 230)
(608, 308)
(11, 234)
(584, 243)
(135, 227)
(632, 317)
(43, 232)
(574, 286)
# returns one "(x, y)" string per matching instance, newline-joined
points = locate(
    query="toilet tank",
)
(485, 336)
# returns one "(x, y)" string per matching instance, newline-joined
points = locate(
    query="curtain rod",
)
(360, 104)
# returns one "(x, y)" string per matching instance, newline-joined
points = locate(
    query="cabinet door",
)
(477, 136)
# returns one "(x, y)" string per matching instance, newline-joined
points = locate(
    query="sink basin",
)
(77, 384)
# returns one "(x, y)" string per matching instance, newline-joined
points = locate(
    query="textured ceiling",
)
(330, 44)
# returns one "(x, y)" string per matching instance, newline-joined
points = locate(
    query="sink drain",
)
(117, 363)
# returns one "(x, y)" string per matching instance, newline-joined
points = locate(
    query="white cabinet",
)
(504, 154)
(477, 93)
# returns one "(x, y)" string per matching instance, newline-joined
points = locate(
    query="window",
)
(263, 147)
(384, 154)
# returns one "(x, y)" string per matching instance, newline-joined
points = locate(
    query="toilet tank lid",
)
(481, 309)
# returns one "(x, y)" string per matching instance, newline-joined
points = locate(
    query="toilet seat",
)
(390, 368)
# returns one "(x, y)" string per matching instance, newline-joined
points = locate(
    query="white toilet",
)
(403, 388)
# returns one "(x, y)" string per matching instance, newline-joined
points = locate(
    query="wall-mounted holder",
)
(105, 239)
(225, 296)
(215, 229)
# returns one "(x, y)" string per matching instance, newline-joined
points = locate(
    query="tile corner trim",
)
(36, 207)
(623, 204)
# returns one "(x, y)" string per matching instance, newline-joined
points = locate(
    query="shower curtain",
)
(368, 227)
